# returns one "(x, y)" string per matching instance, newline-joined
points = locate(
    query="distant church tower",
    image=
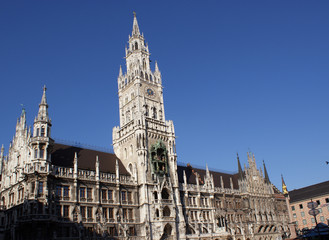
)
(145, 142)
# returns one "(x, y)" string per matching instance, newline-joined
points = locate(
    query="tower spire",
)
(43, 107)
(267, 179)
(135, 31)
(284, 186)
(239, 167)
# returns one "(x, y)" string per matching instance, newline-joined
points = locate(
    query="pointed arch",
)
(166, 211)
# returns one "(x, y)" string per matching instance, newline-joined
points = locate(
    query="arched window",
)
(160, 115)
(126, 153)
(164, 194)
(154, 113)
(130, 167)
(155, 194)
(166, 211)
(128, 116)
(146, 111)
(167, 230)
(136, 45)
(42, 132)
(144, 64)
(146, 76)
(35, 153)
(142, 75)
(131, 150)
(38, 132)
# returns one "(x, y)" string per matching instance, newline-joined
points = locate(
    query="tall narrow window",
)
(41, 153)
(59, 191)
(35, 153)
(90, 212)
(89, 193)
(40, 190)
(66, 211)
(83, 211)
(38, 132)
(123, 196)
(42, 132)
(66, 190)
(82, 193)
(110, 195)
(110, 212)
(104, 212)
(104, 194)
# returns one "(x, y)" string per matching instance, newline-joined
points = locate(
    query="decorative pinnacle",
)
(135, 26)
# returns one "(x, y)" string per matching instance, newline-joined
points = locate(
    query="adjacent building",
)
(51, 190)
(299, 209)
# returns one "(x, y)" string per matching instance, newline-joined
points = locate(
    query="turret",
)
(41, 141)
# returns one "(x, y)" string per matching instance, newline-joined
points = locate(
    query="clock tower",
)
(145, 142)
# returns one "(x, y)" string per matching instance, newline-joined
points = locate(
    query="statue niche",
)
(158, 154)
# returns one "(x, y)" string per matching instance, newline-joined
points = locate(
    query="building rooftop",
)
(309, 192)
(63, 156)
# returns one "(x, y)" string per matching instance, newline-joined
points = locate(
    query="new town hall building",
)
(55, 191)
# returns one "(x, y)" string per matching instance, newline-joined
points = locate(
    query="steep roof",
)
(309, 192)
(63, 156)
(191, 177)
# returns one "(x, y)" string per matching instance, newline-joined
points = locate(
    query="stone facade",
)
(55, 191)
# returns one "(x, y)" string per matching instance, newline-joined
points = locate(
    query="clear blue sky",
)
(237, 76)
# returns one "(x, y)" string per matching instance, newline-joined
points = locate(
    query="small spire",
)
(120, 71)
(156, 67)
(23, 110)
(207, 171)
(43, 107)
(239, 167)
(284, 186)
(44, 100)
(2, 150)
(135, 31)
(267, 179)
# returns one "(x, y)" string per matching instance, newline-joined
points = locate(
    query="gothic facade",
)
(55, 191)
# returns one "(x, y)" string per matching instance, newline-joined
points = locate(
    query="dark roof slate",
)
(191, 177)
(309, 192)
(63, 156)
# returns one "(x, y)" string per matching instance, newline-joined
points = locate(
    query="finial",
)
(44, 88)
(120, 71)
(23, 109)
(134, 13)
(284, 186)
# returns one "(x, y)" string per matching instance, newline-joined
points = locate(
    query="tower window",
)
(42, 132)
(38, 132)
(42, 152)
(36, 153)
(136, 46)
(154, 113)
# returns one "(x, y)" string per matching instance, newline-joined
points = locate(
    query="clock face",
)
(149, 92)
